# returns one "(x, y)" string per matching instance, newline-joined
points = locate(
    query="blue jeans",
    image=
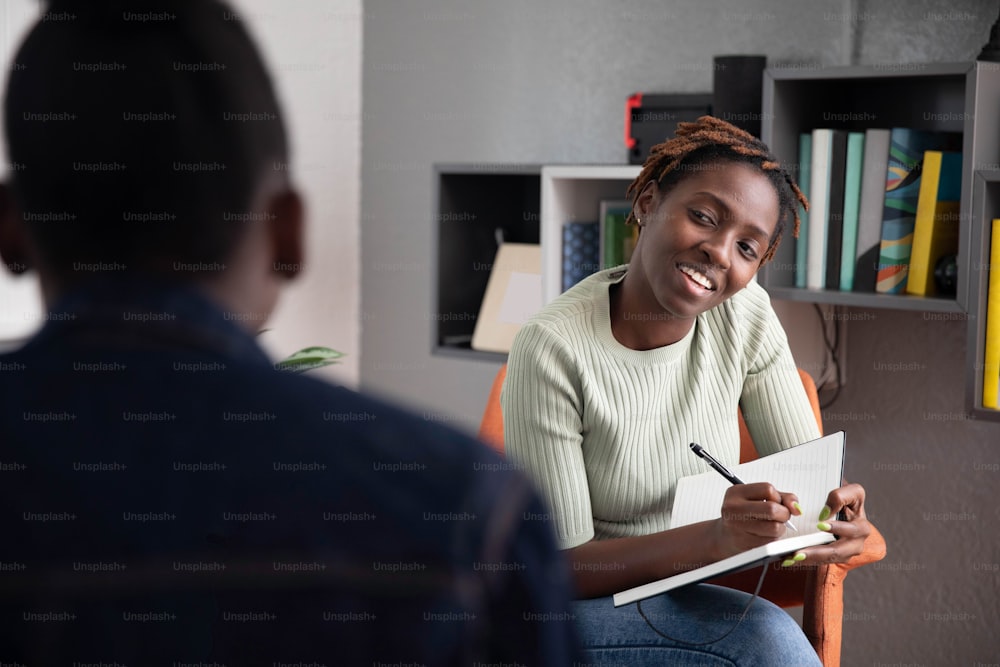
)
(619, 637)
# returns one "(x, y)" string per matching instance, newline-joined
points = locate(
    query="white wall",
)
(313, 49)
(20, 303)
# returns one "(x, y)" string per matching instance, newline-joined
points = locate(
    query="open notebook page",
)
(810, 471)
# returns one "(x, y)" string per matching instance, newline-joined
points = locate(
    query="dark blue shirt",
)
(169, 498)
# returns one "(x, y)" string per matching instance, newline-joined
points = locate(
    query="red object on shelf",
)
(651, 118)
(633, 102)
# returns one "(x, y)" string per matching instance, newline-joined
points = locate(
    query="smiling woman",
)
(608, 384)
(701, 242)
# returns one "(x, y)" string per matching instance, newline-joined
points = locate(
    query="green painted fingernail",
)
(797, 507)
(823, 525)
(824, 514)
(797, 558)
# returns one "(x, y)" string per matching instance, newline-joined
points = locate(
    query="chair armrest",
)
(823, 608)
(873, 551)
(491, 426)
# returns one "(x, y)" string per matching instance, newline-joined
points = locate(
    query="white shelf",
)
(574, 194)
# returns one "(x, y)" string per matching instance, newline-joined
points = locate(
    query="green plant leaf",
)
(309, 358)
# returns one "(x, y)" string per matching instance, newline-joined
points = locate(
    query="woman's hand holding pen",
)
(752, 515)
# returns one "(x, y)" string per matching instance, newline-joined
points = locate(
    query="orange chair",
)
(818, 589)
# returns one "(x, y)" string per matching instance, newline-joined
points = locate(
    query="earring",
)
(638, 221)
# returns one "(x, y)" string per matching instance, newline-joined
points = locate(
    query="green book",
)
(852, 204)
(802, 242)
(617, 238)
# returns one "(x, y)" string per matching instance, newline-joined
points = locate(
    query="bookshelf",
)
(985, 207)
(532, 202)
(529, 204)
(945, 97)
(472, 202)
(956, 97)
(574, 194)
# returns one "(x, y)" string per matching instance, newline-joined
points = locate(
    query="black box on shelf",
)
(651, 118)
(737, 90)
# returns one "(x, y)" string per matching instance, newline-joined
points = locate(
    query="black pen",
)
(724, 471)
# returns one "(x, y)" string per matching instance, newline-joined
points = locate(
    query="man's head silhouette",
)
(148, 142)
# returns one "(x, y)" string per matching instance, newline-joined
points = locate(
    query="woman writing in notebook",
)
(607, 386)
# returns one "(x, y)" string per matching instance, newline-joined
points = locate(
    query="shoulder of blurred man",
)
(392, 509)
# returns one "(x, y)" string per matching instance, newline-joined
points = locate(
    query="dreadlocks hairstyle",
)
(709, 140)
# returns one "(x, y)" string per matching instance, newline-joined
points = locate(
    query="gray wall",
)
(544, 82)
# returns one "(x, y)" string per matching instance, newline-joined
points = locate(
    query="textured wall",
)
(514, 83)
(933, 476)
(933, 479)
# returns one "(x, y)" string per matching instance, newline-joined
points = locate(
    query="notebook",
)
(810, 471)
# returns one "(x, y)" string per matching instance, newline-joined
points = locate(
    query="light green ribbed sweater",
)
(604, 429)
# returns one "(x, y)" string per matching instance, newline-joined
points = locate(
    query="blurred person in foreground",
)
(169, 497)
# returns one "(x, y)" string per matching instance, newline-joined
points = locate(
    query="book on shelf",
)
(580, 252)
(810, 471)
(935, 227)
(873, 170)
(902, 189)
(991, 356)
(852, 204)
(617, 239)
(802, 242)
(819, 210)
(836, 180)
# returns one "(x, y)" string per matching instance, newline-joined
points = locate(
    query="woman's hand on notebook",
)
(851, 532)
(752, 515)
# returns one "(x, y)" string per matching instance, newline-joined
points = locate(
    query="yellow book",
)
(935, 229)
(991, 358)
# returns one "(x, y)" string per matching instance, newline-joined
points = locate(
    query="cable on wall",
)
(832, 344)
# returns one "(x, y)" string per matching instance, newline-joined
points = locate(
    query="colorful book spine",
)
(873, 171)
(819, 210)
(802, 242)
(902, 190)
(835, 218)
(935, 229)
(852, 204)
(580, 251)
(991, 357)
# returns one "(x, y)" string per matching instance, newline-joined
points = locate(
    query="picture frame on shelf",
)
(513, 294)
